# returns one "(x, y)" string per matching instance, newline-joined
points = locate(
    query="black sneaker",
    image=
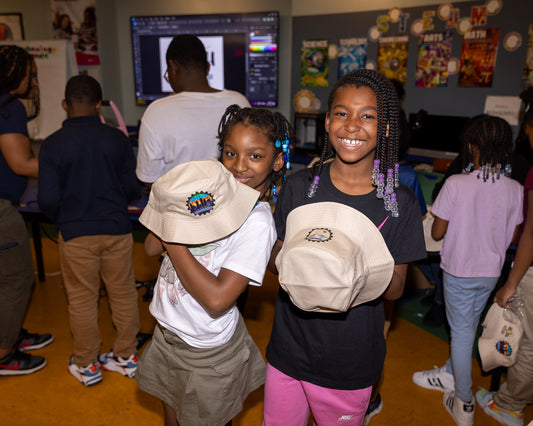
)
(18, 363)
(30, 341)
(374, 408)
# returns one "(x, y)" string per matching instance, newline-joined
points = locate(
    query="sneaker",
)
(125, 366)
(18, 363)
(30, 341)
(505, 417)
(374, 408)
(438, 379)
(462, 412)
(88, 376)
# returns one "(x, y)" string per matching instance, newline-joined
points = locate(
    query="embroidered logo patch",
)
(319, 235)
(200, 203)
(504, 348)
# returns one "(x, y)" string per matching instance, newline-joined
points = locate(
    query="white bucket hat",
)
(499, 341)
(197, 202)
(333, 258)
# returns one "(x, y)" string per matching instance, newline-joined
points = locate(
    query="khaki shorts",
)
(202, 386)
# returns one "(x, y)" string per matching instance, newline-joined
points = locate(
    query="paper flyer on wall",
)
(433, 55)
(55, 65)
(352, 54)
(314, 63)
(76, 20)
(392, 57)
(478, 57)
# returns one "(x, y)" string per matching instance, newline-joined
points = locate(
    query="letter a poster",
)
(433, 56)
(478, 57)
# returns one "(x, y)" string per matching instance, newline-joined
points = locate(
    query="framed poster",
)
(11, 26)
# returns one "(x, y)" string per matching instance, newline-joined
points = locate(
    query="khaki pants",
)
(16, 273)
(517, 391)
(85, 262)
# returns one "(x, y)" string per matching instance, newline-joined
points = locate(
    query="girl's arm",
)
(275, 251)
(216, 294)
(439, 228)
(523, 259)
(395, 289)
(16, 150)
(153, 245)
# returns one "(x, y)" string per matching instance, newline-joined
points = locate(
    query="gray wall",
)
(303, 18)
(452, 100)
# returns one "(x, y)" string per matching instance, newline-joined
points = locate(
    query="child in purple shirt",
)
(477, 213)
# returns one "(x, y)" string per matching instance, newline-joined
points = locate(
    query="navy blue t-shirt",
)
(13, 119)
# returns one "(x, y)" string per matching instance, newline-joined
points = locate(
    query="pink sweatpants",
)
(289, 401)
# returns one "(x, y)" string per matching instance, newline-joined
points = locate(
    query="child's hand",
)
(504, 294)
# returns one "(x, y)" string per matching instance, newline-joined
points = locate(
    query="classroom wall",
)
(116, 74)
(450, 100)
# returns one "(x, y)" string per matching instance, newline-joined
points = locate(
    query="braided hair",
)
(14, 63)
(388, 134)
(493, 137)
(273, 125)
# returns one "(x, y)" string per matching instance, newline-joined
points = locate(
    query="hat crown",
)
(197, 202)
(333, 258)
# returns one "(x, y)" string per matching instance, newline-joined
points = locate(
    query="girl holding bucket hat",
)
(326, 352)
(215, 223)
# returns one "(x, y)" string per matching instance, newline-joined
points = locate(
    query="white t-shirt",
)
(246, 252)
(180, 128)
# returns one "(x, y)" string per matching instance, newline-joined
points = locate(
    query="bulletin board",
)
(56, 63)
(383, 26)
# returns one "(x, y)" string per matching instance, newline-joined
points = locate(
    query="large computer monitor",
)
(437, 136)
(242, 49)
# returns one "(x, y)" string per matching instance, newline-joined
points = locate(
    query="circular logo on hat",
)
(200, 203)
(319, 235)
(504, 348)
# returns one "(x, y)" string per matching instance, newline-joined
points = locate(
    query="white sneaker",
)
(125, 366)
(462, 412)
(437, 379)
(88, 376)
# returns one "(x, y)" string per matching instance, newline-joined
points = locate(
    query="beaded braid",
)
(493, 137)
(14, 61)
(385, 175)
(273, 125)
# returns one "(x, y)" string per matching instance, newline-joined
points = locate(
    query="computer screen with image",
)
(242, 49)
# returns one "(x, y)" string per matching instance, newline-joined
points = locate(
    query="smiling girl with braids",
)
(207, 363)
(326, 363)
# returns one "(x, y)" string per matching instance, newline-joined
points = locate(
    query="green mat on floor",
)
(411, 309)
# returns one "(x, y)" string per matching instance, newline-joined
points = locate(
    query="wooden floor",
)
(53, 397)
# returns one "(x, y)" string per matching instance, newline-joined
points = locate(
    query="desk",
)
(29, 209)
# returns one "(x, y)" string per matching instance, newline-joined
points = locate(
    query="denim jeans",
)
(465, 299)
